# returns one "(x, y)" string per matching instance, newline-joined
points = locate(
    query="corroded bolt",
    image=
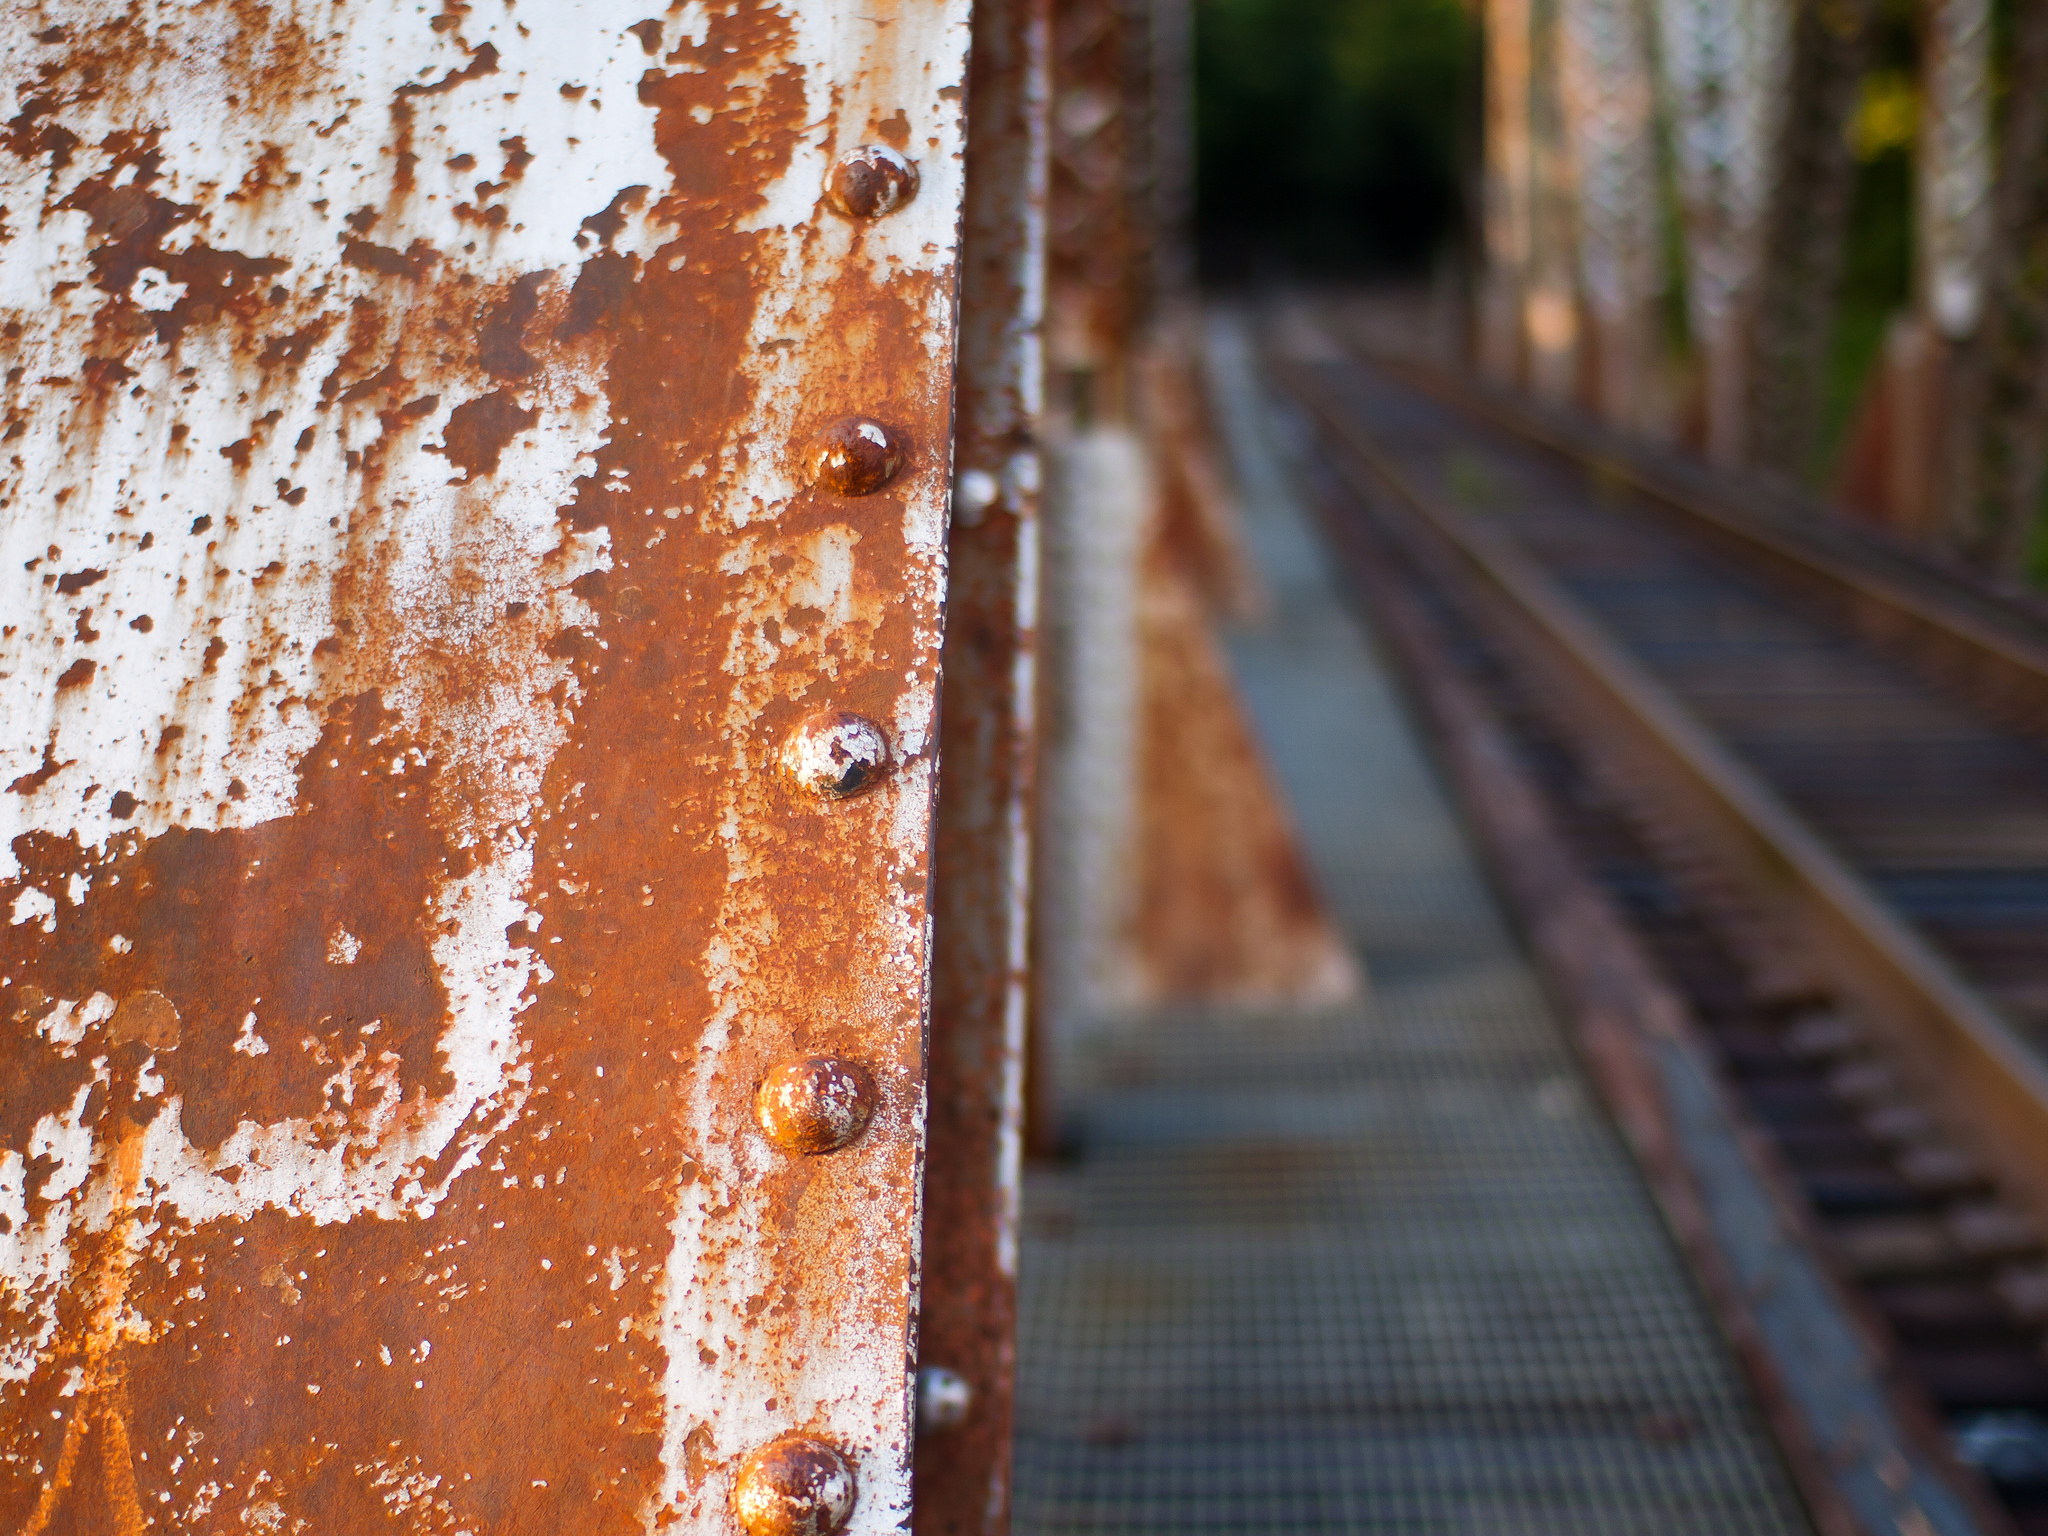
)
(795, 1486)
(836, 754)
(855, 456)
(815, 1103)
(868, 182)
(943, 1399)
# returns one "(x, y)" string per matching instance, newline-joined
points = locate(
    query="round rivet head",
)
(815, 1103)
(868, 182)
(836, 754)
(944, 1399)
(855, 457)
(795, 1486)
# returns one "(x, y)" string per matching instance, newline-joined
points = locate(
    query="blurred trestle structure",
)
(1639, 152)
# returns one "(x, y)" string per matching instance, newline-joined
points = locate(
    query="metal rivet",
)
(868, 182)
(943, 1399)
(795, 1486)
(815, 1103)
(974, 493)
(836, 754)
(855, 456)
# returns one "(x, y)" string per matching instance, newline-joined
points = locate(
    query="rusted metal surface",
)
(1116, 181)
(1223, 909)
(794, 1486)
(982, 856)
(412, 576)
(815, 1104)
(1169, 872)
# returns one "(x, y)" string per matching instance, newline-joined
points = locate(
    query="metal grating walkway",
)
(1387, 1270)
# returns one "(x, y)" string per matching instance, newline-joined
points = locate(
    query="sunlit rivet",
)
(815, 1103)
(836, 754)
(795, 1486)
(973, 494)
(855, 456)
(943, 1399)
(868, 182)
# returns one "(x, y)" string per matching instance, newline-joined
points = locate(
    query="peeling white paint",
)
(245, 560)
(32, 905)
(196, 548)
(123, 476)
(838, 1378)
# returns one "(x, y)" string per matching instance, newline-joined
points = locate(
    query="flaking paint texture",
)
(983, 845)
(407, 579)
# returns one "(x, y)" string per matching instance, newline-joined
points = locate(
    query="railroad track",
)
(1776, 821)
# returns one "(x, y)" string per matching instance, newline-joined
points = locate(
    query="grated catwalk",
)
(1382, 1270)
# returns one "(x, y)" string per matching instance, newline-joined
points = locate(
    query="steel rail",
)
(1987, 1082)
(2001, 667)
(1827, 1381)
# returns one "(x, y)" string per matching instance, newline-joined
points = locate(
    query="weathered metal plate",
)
(411, 576)
(1102, 234)
(982, 874)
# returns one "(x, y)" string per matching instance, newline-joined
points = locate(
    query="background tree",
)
(1331, 134)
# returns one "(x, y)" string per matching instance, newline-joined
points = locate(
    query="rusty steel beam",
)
(1117, 194)
(475, 488)
(982, 858)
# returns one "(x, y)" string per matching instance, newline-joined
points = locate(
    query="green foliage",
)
(1877, 272)
(1331, 134)
(1887, 116)
(2034, 562)
(1877, 283)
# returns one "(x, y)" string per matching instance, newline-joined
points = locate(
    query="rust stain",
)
(401, 894)
(1224, 909)
(478, 431)
(1100, 229)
